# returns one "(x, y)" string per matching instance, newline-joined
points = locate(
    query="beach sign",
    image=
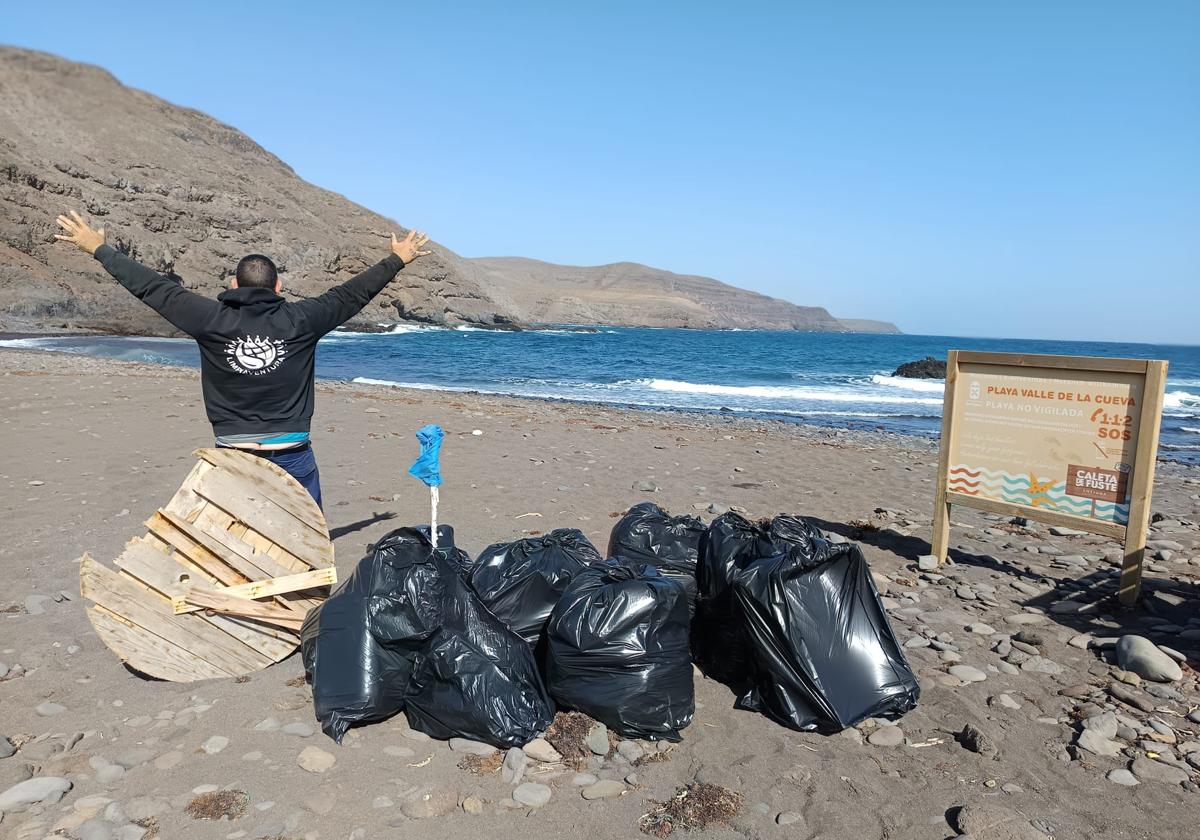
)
(1064, 440)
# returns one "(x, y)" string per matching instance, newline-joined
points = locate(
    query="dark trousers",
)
(300, 463)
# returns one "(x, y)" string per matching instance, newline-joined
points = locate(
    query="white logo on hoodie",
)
(255, 356)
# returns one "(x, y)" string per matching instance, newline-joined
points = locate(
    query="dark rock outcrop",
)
(927, 368)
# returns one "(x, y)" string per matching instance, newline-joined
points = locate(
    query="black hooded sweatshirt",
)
(257, 351)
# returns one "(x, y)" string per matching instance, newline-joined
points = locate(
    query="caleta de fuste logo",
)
(255, 356)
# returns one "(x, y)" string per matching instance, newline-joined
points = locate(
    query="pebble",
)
(583, 779)
(267, 725)
(215, 744)
(1080, 641)
(603, 789)
(1004, 700)
(430, 802)
(1151, 770)
(473, 805)
(38, 790)
(466, 745)
(1026, 618)
(1141, 656)
(967, 673)
(597, 739)
(1104, 725)
(1041, 665)
(539, 749)
(316, 760)
(6, 748)
(1121, 776)
(927, 563)
(531, 794)
(645, 487)
(887, 736)
(513, 768)
(1131, 697)
(1095, 743)
(298, 730)
(630, 751)
(49, 709)
(788, 817)
(982, 629)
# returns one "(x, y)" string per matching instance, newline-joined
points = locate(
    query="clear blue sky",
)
(1003, 168)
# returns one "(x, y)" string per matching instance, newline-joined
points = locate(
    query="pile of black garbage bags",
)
(488, 649)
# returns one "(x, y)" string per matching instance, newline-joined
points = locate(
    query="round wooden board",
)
(236, 519)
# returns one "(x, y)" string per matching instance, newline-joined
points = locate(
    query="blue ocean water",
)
(816, 378)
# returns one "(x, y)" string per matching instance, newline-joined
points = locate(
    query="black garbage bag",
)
(521, 581)
(823, 652)
(618, 650)
(648, 534)
(359, 645)
(474, 678)
(405, 632)
(730, 544)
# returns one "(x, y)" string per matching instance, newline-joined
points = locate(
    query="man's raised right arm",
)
(186, 310)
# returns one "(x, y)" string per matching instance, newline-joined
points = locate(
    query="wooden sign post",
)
(1064, 440)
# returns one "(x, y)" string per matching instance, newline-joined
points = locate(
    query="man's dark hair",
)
(256, 272)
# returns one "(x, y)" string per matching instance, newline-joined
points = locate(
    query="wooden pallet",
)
(222, 580)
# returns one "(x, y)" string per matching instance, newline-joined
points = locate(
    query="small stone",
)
(38, 790)
(430, 802)
(1006, 701)
(603, 789)
(36, 604)
(1080, 641)
(380, 802)
(316, 760)
(597, 739)
(981, 628)
(1147, 769)
(1097, 744)
(973, 739)
(267, 725)
(6, 748)
(1141, 656)
(49, 709)
(967, 673)
(466, 745)
(645, 487)
(788, 817)
(926, 563)
(513, 768)
(887, 736)
(1131, 697)
(298, 730)
(531, 794)
(630, 751)
(1041, 665)
(1121, 776)
(584, 779)
(1104, 725)
(473, 805)
(539, 749)
(215, 744)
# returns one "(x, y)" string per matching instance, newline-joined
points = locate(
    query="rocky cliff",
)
(190, 196)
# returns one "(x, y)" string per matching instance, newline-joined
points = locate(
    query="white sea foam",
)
(1181, 399)
(932, 386)
(784, 392)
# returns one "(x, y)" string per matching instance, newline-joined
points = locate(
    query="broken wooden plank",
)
(261, 588)
(147, 652)
(215, 599)
(288, 495)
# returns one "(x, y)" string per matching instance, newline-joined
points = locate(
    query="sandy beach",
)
(93, 447)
